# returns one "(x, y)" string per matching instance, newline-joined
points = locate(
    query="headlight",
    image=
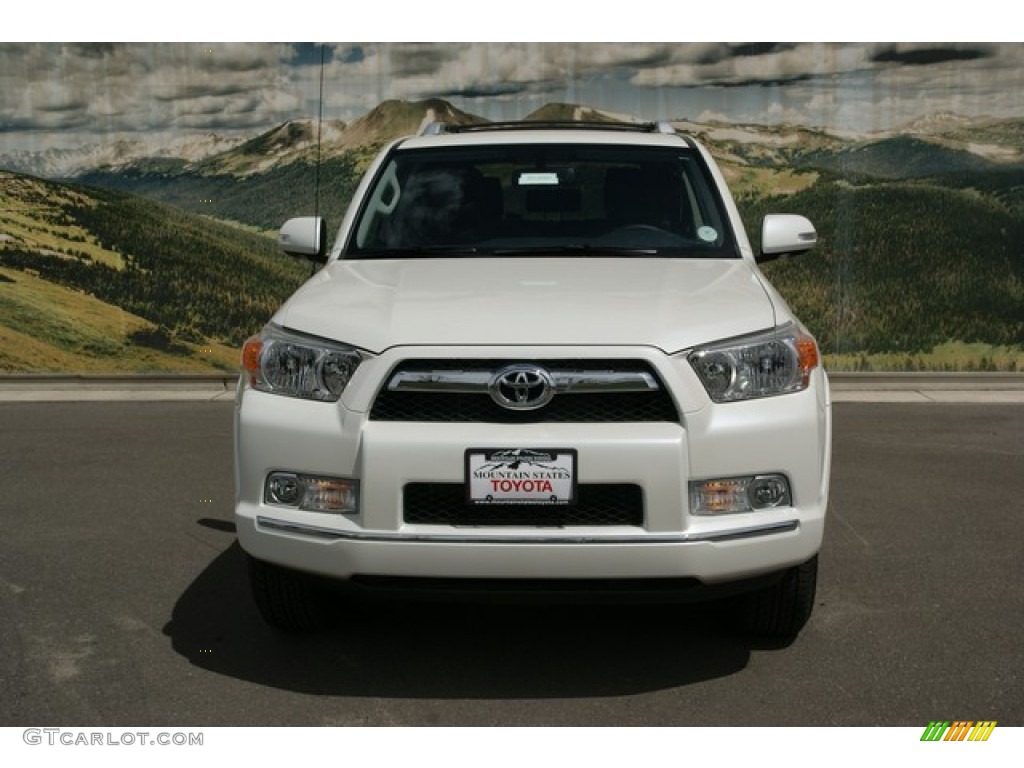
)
(285, 363)
(767, 364)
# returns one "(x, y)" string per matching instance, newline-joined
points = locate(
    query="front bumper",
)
(789, 434)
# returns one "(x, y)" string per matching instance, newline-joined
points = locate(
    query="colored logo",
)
(958, 730)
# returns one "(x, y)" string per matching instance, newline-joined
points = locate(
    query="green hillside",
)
(901, 157)
(46, 327)
(265, 200)
(903, 267)
(920, 261)
(97, 280)
(1006, 185)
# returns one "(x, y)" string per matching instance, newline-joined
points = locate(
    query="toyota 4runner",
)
(538, 357)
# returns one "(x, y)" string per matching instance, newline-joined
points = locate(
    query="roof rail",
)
(436, 128)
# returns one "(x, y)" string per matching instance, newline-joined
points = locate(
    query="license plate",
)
(521, 476)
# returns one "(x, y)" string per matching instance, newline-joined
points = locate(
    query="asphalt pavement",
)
(124, 600)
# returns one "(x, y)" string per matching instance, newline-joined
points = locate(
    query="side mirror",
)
(304, 236)
(785, 233)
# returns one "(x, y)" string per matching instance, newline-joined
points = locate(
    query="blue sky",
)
(70, 94)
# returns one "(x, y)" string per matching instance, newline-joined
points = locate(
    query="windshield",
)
(539, 199)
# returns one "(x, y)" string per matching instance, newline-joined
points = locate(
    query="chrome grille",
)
(586, 391)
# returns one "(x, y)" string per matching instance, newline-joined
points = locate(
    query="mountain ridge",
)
(301, 139)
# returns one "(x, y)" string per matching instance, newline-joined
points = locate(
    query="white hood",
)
(672, 304)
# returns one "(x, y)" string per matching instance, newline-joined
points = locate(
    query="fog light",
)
(311, 493)
(739, 494)
(768, 491)
(283, 489)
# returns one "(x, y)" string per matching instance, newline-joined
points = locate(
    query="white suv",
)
(539, 357)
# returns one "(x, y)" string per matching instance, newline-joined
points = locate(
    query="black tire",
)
(289, 600)
(781, 610)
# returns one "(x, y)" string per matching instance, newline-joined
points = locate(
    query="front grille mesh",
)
(596, 505)
(591, 407)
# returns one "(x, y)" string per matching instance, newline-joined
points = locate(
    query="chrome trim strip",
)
(281, 526)
(440, 381)
(566, 381)
(573, 382)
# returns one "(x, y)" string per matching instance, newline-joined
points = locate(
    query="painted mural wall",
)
(141, 185)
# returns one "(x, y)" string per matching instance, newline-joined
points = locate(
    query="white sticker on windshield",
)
(528, 178)
(707, 234)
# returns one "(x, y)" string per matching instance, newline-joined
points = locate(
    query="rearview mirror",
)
(785, 233)
(304, 236)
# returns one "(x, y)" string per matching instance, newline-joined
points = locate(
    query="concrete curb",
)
(85, 388)
(914, 387)
(846, 387)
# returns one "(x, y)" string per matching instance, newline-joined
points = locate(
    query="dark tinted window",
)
(587, 199)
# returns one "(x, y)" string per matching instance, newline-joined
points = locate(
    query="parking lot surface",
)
(124, 601)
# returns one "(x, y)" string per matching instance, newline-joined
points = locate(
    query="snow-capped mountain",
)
(58, 163)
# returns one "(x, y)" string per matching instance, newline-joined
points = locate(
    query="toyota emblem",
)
(522, 387)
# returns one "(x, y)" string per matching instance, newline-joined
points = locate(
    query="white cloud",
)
(88, 91)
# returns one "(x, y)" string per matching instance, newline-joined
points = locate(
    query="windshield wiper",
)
(580, 249)
(459, 251)
(426, 251)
